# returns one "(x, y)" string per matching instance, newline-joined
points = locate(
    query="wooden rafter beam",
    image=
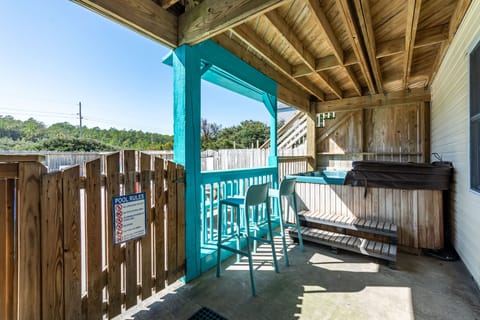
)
(287, 93)
(413, 14)
(325, 63)
(351, 29)
(365, 20)
(143, 16)
(323, 22)
(165, 4)
(376, 100)
(455, 20)
(303, 53)
(247, 35)
(332, 40)
(426, 37)
(212, 17)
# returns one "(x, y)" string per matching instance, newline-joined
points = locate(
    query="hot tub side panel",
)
(418, 214)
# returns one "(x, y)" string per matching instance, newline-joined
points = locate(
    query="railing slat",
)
(114, 258)
(52, 247)
(94, 240)
(7, 263)
(160, 200)
(29, 240)
(72, 243)
(131, 246)
(146, 242)
(181, 263)
(171, 222)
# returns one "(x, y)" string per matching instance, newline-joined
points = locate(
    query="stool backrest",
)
(256, 194)
(287, 187)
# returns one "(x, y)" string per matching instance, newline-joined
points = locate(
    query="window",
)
(475, 118)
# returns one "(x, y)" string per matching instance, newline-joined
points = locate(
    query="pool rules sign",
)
(129, 217)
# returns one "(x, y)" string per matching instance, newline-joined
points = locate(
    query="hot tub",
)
(321, 176)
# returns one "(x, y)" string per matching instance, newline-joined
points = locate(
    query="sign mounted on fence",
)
(129, 217)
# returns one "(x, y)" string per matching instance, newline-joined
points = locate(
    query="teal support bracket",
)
(186, 84)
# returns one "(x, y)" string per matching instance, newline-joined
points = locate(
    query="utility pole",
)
(80, 117)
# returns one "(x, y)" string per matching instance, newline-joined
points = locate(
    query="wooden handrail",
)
(8, 170)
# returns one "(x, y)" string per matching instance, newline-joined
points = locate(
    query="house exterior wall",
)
(450, 137)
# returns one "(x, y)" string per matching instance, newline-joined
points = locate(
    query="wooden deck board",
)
(372, 248)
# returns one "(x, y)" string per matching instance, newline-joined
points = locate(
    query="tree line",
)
(33, 135)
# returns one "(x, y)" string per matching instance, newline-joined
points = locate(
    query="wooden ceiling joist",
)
(454, 23)
(413, 14)
(212, 17)
(143, 16)
(325, 63)
(348, 21)
(286, 92)
(302, 52)
(376, 100)
(424, 38)
(365, 20)
(246, 34)
(165, 4)
(333, 42)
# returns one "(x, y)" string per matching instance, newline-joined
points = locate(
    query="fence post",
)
(29, 240)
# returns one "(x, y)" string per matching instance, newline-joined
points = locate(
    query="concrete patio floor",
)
(320, 284)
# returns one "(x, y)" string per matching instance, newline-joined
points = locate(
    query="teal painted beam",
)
(186, 84)
(231, 64)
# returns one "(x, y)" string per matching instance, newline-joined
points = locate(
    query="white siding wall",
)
(450, 137)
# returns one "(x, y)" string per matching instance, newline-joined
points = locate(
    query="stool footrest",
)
(240, 252)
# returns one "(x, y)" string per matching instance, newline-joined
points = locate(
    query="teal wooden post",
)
(270, 102)
(186, 84)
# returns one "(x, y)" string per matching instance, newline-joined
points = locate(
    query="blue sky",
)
(55, 53)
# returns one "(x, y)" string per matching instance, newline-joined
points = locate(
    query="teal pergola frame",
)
(211, 62)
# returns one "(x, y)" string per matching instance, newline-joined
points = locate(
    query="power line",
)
(80, 117)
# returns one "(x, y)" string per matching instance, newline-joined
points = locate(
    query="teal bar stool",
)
(287, 190)
(244, 207)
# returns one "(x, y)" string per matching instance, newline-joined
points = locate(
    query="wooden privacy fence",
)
(57, 256)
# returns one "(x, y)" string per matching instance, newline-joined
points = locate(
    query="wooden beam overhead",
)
(247, 35)
(332, 40)
(413, 14)
(284, 29)
(365, 20)
(424, 38)
(165, 4)
(302, 52)
(348, 22)
(287, 93)
(455, 20)
(143, 16)
(212, 17)
(376, 100)
(325, 63)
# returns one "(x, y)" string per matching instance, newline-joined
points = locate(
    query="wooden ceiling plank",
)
(413, 15)
(353, 79)
(377, 100)
(347, 18)
(365, 20)
(455, 20)
(143, 16)
(283, 28)
(247, 35)
(424, 38)
(322, 21)
(325, 63)
(212, 17)
(297, 97)
(165, 4)
(303, 53)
